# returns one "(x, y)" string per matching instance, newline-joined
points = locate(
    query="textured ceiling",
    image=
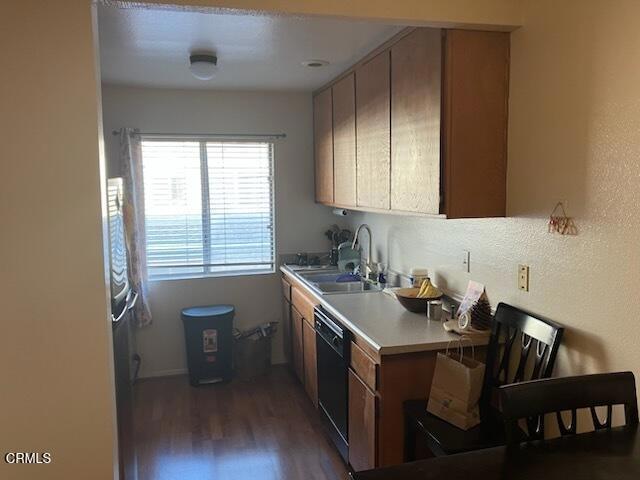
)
(150, 47)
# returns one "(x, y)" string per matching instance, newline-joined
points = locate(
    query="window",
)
(208, 207)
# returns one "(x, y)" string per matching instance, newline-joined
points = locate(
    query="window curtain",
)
(133, 213)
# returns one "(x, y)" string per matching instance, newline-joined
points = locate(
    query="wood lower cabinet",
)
(364, 367)
(323, 146)
(373, 149)
(344, 141)
(378, 385)
(303, 341)
(310, 361)
(287, 337)
(303, 303)
(362, 424)
(297, 347)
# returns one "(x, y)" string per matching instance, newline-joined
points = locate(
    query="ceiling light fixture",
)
(315, 63)
(203, 65)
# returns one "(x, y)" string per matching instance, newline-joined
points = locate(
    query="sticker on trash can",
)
(210, 340)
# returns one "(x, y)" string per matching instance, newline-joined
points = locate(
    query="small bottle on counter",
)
(453, 309)
(418, 275)
(382, 276)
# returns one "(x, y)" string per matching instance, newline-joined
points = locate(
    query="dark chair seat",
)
(445, 439)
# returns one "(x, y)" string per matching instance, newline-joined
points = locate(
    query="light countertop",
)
(379, 319)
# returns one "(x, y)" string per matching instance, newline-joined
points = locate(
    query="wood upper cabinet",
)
(323, 145)
(416, 76)
(297, 343)
(344, 141)
(476, 79)
(310, 361)
(431, 114)
(362, 424)
(373, 150)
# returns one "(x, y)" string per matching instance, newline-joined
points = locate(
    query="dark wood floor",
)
(260, 430)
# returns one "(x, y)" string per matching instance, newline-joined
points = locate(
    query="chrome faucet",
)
(368, 267)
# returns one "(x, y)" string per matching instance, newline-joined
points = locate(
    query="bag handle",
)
(461, 347)
(459, 343)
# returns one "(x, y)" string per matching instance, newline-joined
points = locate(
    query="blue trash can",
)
(208, 333)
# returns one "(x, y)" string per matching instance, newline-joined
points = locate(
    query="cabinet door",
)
(373, 127)
(287, 337)
(310, 361)
(476, 80)
(296, 347)
(415, 121)
(362, 424)
(323, 145)
(286, 322)
(344, 141)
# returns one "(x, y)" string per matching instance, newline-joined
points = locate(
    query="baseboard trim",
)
(165, 373)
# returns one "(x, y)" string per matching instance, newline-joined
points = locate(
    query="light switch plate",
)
(466, 259)
(523, 278)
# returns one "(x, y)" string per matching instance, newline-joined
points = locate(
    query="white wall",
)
(574, 136)
(55, 354)
(300, 223)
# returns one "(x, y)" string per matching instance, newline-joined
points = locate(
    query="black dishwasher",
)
(333, 342)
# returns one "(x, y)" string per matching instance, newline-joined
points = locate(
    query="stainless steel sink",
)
(310, 268)
(349, 287)
(326, 276)
(326, 282)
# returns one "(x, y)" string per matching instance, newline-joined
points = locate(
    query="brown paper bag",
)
(456, 389)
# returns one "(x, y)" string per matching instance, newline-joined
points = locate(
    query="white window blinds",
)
(208, 207)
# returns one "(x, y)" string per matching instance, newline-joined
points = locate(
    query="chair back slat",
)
(564, 429)
(597, 424)
(539, 365)
(514, 334)
(535, 427)
(527, 341)
(532, 400)
(502, 375)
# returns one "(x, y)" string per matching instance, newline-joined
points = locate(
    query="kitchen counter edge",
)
(354, 328)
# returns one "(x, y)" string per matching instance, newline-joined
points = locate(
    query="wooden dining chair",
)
(532, 400)
(522, 347)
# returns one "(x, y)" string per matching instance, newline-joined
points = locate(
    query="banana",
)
(427, 290)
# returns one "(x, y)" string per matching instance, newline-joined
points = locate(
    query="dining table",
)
(602, 454)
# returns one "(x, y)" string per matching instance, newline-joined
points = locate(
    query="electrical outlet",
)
(466, 259)
(523, 278)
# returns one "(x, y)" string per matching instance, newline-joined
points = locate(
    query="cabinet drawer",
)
(364, 366)
(303, 302)
(286, 289)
